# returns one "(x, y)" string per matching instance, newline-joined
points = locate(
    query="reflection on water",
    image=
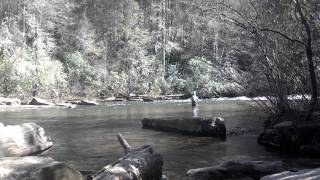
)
(85, 137)
(195, 111)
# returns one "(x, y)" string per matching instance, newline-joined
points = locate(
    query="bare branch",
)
(127, 148)
(283, 35)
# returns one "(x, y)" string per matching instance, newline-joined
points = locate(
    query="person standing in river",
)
(194, 99)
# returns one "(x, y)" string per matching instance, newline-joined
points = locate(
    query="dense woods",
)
(114, 48)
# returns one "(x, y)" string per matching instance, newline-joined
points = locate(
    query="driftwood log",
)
(137, 164)
(212, 127)
(23, 140)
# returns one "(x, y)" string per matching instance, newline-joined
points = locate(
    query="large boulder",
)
(308, 174)
(41, 102)
(236, 170)
(296, 136)
(36, 168)
(10, 101)
(213, 127)
(23, 140)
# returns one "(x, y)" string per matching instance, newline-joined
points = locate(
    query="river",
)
(85, 136)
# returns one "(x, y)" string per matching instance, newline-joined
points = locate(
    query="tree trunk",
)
(312, 74)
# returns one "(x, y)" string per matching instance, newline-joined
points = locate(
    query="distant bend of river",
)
(85, 136)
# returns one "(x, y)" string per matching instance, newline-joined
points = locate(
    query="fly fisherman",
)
(194, 99)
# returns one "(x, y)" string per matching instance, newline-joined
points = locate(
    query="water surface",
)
(85, 137)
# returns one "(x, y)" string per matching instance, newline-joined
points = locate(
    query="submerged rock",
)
(23, 140)
(40, 102)
(310, 174)
(36, 168)
(236, 170)
(192, 126)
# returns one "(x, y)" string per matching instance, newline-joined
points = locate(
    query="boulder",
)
(10, 101)
(40, 102)
(36, 168)
(236, 170)
(295, 137)
(213, 127)
(310, 174)
(23, 140)
(87, 103)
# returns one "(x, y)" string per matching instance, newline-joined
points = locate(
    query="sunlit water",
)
(85, 137)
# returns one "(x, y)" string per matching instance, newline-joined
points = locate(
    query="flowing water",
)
(85, 137)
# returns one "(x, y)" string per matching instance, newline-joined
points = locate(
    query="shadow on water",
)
(85, 137)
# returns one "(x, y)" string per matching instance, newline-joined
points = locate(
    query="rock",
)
(10, 101)
(310, 174)
(120, 99)
(192, 126)
(236, 170)
(147, 99)
(87, 103)
(36, 168)
(238, 131)
(40, 102)
(23, 140)
(136, 99)
(67, 105)
(164, 177)
(138, 164)
(296, 137)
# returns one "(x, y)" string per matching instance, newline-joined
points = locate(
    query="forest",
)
(116, 48)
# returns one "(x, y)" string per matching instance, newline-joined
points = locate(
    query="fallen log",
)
(36, 168)
(138, 164)
(23, 140)
(212, 127)
(236, 170)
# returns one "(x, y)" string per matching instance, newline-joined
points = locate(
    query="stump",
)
(191, 126)
(138, 164)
